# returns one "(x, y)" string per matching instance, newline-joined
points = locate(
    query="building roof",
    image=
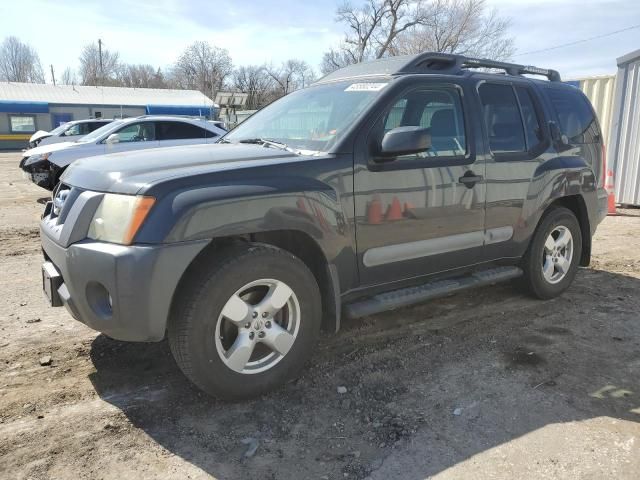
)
(85, 95)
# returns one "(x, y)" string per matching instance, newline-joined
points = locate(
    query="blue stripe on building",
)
(8, 106)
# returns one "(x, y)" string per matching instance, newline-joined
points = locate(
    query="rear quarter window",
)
(575, 115)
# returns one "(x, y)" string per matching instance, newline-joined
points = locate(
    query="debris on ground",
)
(46, 360)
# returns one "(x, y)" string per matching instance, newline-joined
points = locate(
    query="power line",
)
(578, 41)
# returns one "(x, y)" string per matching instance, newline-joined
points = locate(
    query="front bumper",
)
(122, 291)
(43, 173)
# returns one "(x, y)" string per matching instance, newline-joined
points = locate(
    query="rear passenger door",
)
(517, 143)
(420, 214)
(179, 133)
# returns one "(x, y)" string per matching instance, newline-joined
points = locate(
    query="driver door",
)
(134, 136)
(419, 214)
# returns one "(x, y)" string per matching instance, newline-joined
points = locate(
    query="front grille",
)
(63, 198)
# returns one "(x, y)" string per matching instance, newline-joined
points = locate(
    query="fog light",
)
(100, 300)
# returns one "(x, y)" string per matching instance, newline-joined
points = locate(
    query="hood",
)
(130, 172)
(38, 135)
(53, 147)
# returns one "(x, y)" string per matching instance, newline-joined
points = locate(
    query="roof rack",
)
(430, 62)
(448, 63)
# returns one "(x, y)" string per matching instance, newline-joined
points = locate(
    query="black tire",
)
(534, 281)
(201, 299)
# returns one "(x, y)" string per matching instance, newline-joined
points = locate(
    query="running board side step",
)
(409, 296)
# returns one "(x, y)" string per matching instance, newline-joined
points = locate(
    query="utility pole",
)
(53, 76)
(100, 56)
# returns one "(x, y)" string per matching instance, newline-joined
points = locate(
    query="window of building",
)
(502, 118)
(22, 123)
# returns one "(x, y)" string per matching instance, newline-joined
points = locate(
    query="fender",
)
(554, 179)
(250, 206)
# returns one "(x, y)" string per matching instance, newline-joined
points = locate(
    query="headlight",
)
(37, 158)
(119, 217)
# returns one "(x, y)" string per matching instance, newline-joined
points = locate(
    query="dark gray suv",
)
(381, 185)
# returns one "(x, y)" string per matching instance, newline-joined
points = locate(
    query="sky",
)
(255, 32)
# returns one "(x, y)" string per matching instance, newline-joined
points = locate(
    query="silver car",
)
(67, 132)
(43, 165)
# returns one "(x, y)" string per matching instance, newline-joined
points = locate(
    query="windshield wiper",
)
(266, 142)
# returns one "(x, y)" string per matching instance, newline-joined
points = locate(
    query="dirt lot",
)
(487, 384)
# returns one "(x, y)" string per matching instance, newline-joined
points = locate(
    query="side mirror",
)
(113, 138)
(404, 141)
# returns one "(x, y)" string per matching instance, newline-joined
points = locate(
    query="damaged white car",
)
(43, 165)
(67, 132)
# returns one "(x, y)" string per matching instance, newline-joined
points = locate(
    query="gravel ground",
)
(485, 384)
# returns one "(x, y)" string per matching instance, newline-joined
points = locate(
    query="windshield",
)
(60, 128)
(98, 133)
(310, 119)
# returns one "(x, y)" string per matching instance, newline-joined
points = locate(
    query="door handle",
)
(469, 179)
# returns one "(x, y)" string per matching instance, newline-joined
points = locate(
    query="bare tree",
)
(203, 67)
(257, 83)
(382, 28)
(140, 76)
(19, 62)
(95, 72)
(291, 75)
(68, 77)
(464, 27)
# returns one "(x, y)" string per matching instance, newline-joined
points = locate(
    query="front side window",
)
(178, 131)
(502, 118)
(575, 115)
(437, 109)
(313, 118)
(22, 123)
(137, 132)
(102, 133)
(77, 129)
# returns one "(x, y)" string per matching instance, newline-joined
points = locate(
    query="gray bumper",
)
(123, 291)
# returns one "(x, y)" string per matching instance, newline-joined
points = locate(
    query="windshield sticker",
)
(365, 87)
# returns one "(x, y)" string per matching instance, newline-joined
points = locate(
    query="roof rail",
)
(449, 63)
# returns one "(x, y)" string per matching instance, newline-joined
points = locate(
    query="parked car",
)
(67, 132)
(44, 165)
(381, 185)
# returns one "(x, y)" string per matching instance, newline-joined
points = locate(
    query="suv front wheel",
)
(551, 262)
(245, 321)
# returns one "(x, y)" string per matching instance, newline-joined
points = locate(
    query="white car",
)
(43, 165)
(67, 132)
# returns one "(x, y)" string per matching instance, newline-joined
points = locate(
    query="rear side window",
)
(179, 131)
(502, 118)
(575, 115)
(532, 130)
(96, 125)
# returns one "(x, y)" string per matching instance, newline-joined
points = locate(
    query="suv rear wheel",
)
(551, 263)
(245, 322)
